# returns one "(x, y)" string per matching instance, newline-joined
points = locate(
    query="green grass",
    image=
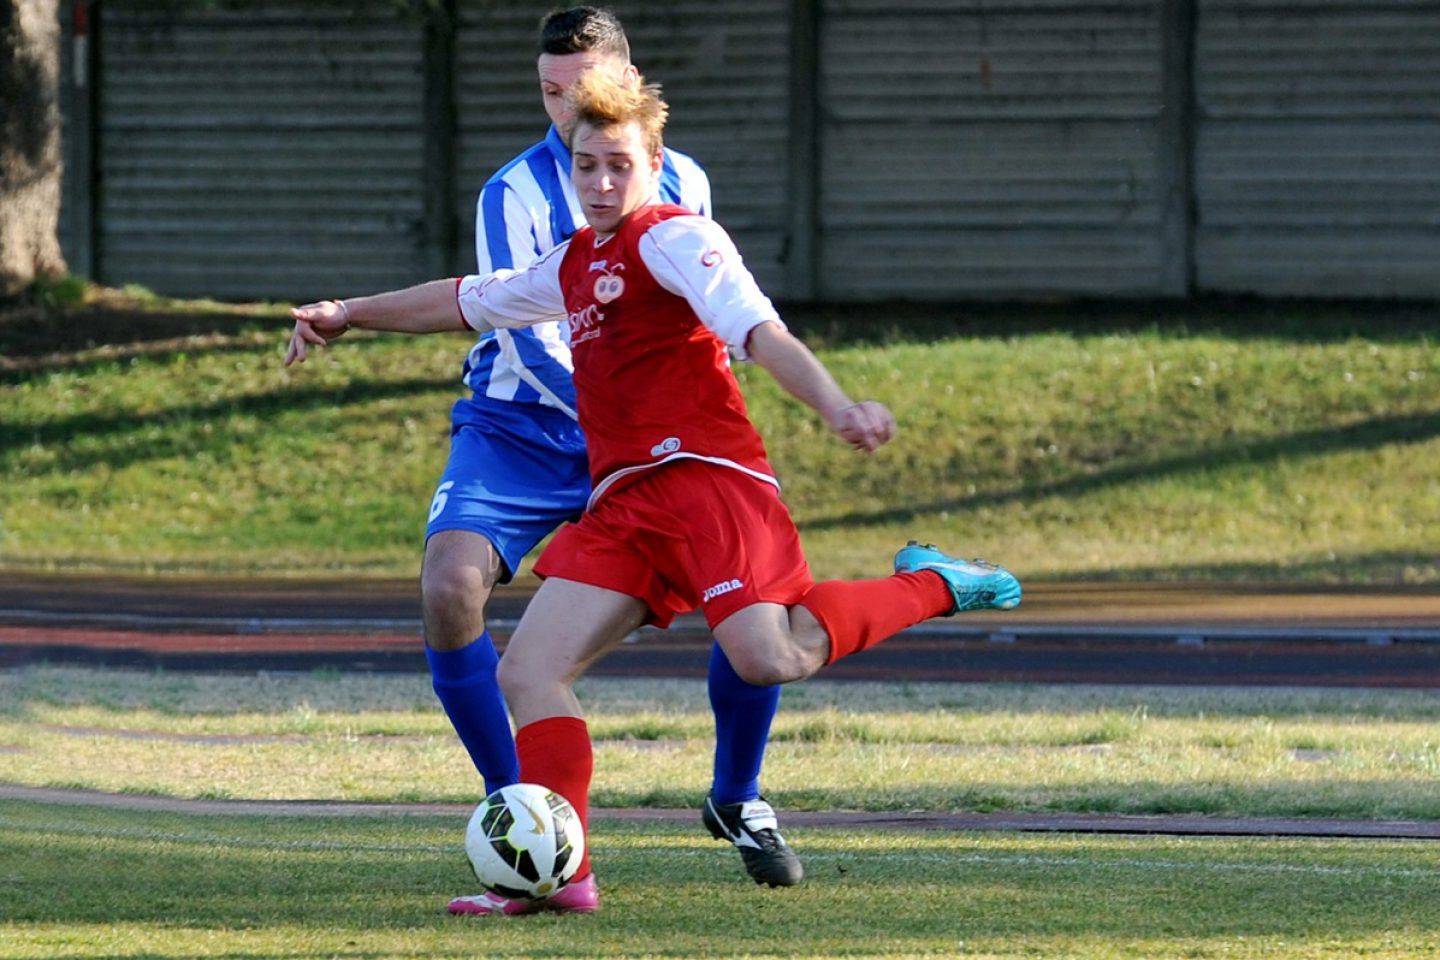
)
(1365, 754)
(85, 882)
(99, 882)
(168, 438)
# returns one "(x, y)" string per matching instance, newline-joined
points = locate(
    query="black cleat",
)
(752, 827)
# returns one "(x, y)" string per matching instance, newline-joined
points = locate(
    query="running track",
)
(1062, 633)
(1108, 633)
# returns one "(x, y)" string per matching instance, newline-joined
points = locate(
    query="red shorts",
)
(688, 534)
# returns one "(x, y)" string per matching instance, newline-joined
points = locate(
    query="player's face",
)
(558, 72)
(613, 174)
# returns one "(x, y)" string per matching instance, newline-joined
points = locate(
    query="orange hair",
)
(601, 101)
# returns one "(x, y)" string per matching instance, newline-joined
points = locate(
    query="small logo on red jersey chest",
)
(608, 285)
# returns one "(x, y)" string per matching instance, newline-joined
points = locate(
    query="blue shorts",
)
(516, 472)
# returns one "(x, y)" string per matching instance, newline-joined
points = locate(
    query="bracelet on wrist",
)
(345, 311)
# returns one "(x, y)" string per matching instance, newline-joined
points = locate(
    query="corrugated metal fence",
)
(859, 149)
(993, 148)
(254, 153)
(1318, 147)
(723, 65)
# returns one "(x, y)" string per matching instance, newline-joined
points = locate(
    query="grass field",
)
(97, 882)
(85, 882)
(1367, 754)
(107, 882)
(1290, 443)
(1285, 443)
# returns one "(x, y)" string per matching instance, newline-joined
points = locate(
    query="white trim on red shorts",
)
(609, 481)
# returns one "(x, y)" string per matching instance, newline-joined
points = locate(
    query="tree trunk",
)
(30, 159)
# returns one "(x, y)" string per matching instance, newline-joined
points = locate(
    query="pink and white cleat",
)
(579, 896)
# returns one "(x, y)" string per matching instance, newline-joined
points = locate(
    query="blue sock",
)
(742, 728)
(464, 680)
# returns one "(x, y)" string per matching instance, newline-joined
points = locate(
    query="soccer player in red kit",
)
(685, 509)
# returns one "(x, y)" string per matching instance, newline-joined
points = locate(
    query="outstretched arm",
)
(427, 308)
(694, 258)
(865, 426)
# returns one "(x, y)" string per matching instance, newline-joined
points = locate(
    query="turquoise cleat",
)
(975, 584)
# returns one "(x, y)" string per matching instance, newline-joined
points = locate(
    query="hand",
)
(867, 426)
(316, 323)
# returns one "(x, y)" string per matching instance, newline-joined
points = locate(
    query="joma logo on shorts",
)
(724, 586)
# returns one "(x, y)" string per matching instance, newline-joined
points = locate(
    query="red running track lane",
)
(1064, 632)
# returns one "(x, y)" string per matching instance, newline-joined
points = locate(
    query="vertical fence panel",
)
(723, 66)
(266, 151)
(1318, 148)
(991, 149)
(956, 148)
(77, 85)
(497, 103)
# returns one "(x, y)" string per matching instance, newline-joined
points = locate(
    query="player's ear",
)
(630, 76)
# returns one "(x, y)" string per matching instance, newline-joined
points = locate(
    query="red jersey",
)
(651, 311)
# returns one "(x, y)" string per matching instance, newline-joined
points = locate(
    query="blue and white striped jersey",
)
(526, 209)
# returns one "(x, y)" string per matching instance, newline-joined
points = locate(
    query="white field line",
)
(983, 859)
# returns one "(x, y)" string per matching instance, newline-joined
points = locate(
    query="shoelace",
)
(768, 839)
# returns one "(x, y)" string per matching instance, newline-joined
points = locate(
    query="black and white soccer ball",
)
(525, 841)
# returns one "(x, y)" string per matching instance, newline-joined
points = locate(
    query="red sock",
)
(556, 753)
(857, 614)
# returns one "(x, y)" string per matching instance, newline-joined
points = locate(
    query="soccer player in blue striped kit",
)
(517, 471)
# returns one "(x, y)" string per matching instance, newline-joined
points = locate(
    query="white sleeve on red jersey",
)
(514, 298)
(693, 257)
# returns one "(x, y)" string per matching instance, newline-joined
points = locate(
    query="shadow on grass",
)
(62, 433)
(34, 343)
(1346, 573)
(1301, 321)
(36, 333)
(161, 351)
(1370, 434)
(1273, 796)
(123, 322)
(330, 888)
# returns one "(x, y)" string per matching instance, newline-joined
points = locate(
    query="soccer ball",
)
(525, 841)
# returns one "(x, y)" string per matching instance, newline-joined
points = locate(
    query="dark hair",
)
(584, 30)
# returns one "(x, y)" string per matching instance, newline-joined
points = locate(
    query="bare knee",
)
(525, 681)
(765, 648)
(513, 681)
(766, 671)
(454, 589)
